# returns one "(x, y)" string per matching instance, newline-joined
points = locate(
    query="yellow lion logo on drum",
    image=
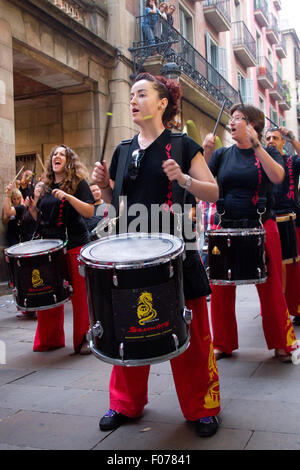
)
(36, 279)
(145, 311)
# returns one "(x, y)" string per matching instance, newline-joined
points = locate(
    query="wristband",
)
(187, 183)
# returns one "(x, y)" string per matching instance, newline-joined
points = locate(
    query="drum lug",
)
(187, 315)
(81, 270)
(229, 274)
(176, 341)
(115, 281)
(49, 258)
(18, 262)
(25, 302)
(228, 242)
(207, 271)
(171, 271)
(259, 241)
(259, 273)
(54, 298)
(97, 330)
(121, 351)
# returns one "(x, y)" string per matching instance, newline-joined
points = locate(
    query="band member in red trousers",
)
(245, 172)
(154, 102)
(59, 212)
(286, 200)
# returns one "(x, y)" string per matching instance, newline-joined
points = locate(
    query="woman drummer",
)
(60, 213)
(245, 174)
(154, 102)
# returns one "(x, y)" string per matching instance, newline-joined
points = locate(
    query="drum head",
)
(132, 249)
(34, 247)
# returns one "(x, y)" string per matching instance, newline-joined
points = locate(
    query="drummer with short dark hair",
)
(147, 179)
(246, 172)
(286, 200)
(60, 213)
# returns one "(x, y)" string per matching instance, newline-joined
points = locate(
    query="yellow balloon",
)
(218, 142)
(192, 131)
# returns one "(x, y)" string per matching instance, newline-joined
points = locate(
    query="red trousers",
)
(194, 371)
(291, 283)
(278, 330)
(50, 328)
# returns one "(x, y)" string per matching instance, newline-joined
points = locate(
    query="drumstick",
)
(219, 117)
(17, 174)
(109, 115)
(287, 136)
(40, 160)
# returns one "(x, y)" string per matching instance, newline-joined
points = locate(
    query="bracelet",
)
(105, 187)
(188, 182)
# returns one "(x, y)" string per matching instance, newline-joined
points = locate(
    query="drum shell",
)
(236, 256)
(288, 237)
(52, 270)
(103, 296)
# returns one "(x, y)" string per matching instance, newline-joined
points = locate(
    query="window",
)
(246, 88)
(261, 104)
(273, 115)
(186, 25)
(216, 55)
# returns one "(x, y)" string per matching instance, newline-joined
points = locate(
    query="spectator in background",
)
(149, 21)
(12, 213)
(26, 184)
(170, 13)
(98, 208)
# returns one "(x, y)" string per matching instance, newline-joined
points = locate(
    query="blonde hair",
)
(16, 193)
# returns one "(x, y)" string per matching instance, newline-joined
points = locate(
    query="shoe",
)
(296, 321)
(112, 420)
(282, 355)
(220, 354)
(85, 348)
(207, 427)
(27, 315)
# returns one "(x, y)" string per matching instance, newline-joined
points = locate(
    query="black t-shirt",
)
(243, 181)
(286, 194)
(58, 219)
(152, 187)
(13, 232)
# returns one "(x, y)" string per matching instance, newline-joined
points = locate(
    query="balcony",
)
(272, 31)
(217, 13)
(276, 93)
(244, 45)
(261, 12)
(277, 4)
(201, 83)
(265, 73)
(297, 62)
(281, 48)
(285, 103)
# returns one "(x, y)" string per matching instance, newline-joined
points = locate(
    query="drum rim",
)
(286, 217)
(236, 231)
(60, 245)
(131, 264)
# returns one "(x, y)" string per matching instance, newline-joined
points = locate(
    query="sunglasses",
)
(134, 164)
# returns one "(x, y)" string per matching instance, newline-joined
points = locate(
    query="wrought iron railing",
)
(222, 5)
(166, 41)
(242, 36)
(263, 6)
(265, 64)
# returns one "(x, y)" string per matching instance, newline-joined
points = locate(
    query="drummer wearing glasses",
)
(286, 200)
(59, 213)
(245, 173)
(147, 179)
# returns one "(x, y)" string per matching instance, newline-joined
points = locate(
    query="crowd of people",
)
(249, 183)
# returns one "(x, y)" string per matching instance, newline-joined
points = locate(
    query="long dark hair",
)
(75, 171)
(166, 88)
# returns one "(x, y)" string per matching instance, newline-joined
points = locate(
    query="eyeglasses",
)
(135, 162)
(236, 119)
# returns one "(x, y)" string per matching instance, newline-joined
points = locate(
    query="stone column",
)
(7, 125)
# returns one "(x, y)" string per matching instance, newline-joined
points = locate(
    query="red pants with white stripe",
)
(194, 371)
(277, 326)
(291, 283)
(50, 329)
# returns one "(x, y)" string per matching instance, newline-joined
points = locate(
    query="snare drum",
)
(288, 237)
(38, 273)
(236, 256)
(135, 297)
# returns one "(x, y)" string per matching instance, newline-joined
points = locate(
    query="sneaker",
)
(112, 420)
(296, 321)
(207, 427)
(27, 315)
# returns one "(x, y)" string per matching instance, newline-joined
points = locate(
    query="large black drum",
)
(236, 256)
(135, 295)
(288, 237)
(38, 274)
